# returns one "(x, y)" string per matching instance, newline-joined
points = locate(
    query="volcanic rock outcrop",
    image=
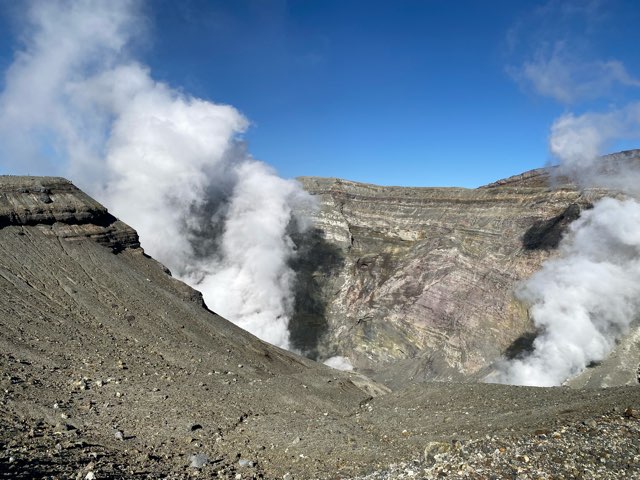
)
(70, 213)
(415, 284)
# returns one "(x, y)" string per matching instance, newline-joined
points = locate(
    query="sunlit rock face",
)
(413, 284)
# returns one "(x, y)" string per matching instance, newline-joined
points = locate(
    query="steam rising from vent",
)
(586, 298)
(578, 142)
(171, 165)
(339, 363)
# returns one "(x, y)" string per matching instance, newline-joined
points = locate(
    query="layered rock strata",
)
(418, 283)
(56, 205)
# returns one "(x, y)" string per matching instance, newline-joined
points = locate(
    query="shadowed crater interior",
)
(521, 346)
(315, 259)
(546, 234)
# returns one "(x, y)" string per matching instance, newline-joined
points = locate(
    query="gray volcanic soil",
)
(110, 368)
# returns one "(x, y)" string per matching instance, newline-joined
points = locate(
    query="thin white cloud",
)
(568, 79)
(552, 53)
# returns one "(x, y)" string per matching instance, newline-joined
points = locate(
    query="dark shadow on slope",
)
(206, 221)
(521, 346)
(315, 260)
(546, 234)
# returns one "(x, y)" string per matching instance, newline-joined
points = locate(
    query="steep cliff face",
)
(418, 283)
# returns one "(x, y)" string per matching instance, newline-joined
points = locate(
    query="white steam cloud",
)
(171, 165)
(339, 363)
(586, 298)
(578, 141)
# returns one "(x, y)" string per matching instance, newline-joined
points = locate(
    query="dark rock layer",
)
(70, 213)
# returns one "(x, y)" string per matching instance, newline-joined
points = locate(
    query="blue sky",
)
(403, 92)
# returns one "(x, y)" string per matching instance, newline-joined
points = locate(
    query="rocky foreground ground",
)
(110, 368)
(606, 447)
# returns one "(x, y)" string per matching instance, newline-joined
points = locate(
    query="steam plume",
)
(585, 299)
(171, 165)
(339, 363)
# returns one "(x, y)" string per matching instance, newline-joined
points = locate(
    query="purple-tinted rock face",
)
(421, 280)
